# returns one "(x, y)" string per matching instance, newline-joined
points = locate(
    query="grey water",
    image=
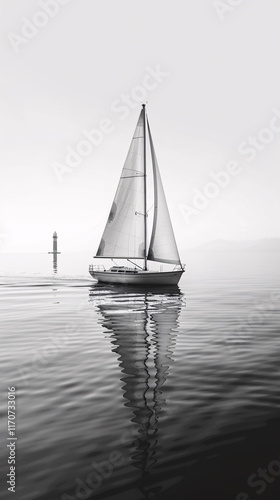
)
(126, 393)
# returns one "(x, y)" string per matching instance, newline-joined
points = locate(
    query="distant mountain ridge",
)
(262, 245)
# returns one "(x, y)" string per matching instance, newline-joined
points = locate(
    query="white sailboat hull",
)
(141, 278)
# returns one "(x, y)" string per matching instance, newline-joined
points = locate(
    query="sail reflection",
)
(143, 329)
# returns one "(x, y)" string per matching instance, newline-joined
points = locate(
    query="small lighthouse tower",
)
(54, 244)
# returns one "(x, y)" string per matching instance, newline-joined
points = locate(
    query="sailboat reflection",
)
(143, 327)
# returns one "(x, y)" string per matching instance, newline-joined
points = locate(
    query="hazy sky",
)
(210, 73)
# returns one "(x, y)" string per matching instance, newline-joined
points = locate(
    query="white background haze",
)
(222, 87)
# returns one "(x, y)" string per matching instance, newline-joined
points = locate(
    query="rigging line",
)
(132, 169)
(134, 263)
(131, 176)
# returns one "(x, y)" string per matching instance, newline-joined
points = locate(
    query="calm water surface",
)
(131, 394)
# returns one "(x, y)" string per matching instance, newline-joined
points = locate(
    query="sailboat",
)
(125, 233)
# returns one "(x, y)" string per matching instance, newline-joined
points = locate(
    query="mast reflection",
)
(143, 328)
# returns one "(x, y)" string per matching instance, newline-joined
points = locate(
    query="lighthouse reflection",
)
(143, 328)
(55, 263)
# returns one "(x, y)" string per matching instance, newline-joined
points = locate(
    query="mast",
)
(145, 190)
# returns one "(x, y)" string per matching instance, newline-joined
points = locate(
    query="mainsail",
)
(163, 246)
(124, 232)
